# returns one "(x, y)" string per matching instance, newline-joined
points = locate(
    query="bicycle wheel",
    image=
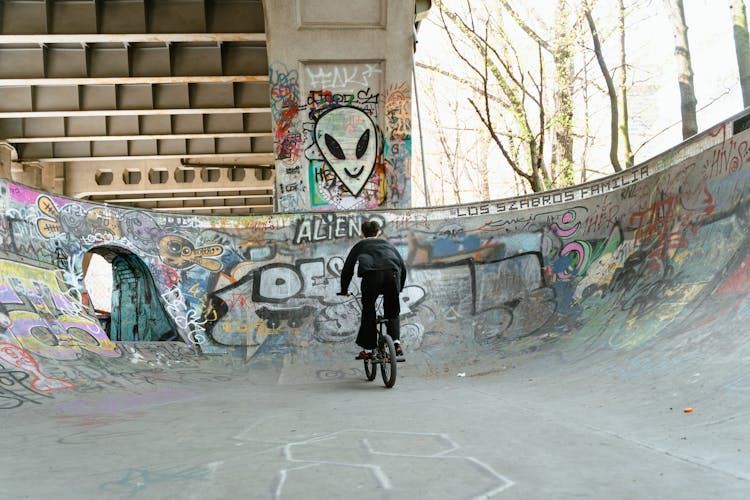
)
(388, 361)
(370, 370)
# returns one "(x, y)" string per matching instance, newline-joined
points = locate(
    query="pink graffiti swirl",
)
(567, 218)
(576, 247)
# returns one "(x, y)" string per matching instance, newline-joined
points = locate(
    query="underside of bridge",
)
(161, 105)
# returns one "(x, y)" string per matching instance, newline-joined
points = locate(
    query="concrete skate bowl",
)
(642, 272)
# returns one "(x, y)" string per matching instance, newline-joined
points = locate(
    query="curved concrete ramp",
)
(587, 343)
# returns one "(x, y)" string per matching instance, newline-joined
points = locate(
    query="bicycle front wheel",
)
(371, 370)
(388, 361)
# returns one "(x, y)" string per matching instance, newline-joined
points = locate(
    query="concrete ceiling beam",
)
(131, 112)
(261, 158)
(249, 208)
(133, 80)
(97, 138)
(187, 198)
(44, 39)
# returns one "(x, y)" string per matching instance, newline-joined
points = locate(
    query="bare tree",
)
(623, 90)
(481, 150)
(613, 124)
(461, 173)
(463, 168)
(511, 99)
(741, 47)
(688, 102)
(451, 150)
(562, 50)
(533, 85)
(586, 132)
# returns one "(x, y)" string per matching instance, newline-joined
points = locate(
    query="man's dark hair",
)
(370, 228)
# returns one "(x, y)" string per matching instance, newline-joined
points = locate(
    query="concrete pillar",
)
(48, 176)
(6, 158)
(32, 174)
(341, 102)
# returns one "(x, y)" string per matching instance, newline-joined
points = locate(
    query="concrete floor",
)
(531, 426)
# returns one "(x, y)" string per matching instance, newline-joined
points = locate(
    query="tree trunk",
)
(741, 47)
(586, 132)
(684, 68)
(562, 147)
(624, 116)
(484, 171)
(613, 124)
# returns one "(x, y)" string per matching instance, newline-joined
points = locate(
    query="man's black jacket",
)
(373, 254)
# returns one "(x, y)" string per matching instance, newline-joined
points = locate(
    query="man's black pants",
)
(375, 283)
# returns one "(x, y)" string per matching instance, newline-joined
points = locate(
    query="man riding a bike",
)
(383, 272)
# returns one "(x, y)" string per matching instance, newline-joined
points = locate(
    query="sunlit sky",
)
(655, 113)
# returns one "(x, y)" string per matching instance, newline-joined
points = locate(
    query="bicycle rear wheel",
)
(388, 360)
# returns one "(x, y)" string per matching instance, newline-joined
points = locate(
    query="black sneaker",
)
(399, 352)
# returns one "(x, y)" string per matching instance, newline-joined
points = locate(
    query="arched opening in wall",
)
(124, 297)
(97, 278)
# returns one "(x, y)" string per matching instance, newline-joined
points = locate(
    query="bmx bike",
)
(383, 355)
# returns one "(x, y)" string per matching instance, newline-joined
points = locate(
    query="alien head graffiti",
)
(347, 138)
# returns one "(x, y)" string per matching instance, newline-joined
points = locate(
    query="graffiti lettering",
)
(329, 227)
(184, 317)
(342, 77)
(15, 391)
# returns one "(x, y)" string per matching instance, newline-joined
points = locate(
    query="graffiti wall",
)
(656, 250)
(342, 137)
(42, 314)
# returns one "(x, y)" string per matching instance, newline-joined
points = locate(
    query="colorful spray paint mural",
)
(342, 140)
(42, 314)
(615, 263)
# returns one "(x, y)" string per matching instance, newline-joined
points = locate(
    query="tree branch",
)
(473, 86)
